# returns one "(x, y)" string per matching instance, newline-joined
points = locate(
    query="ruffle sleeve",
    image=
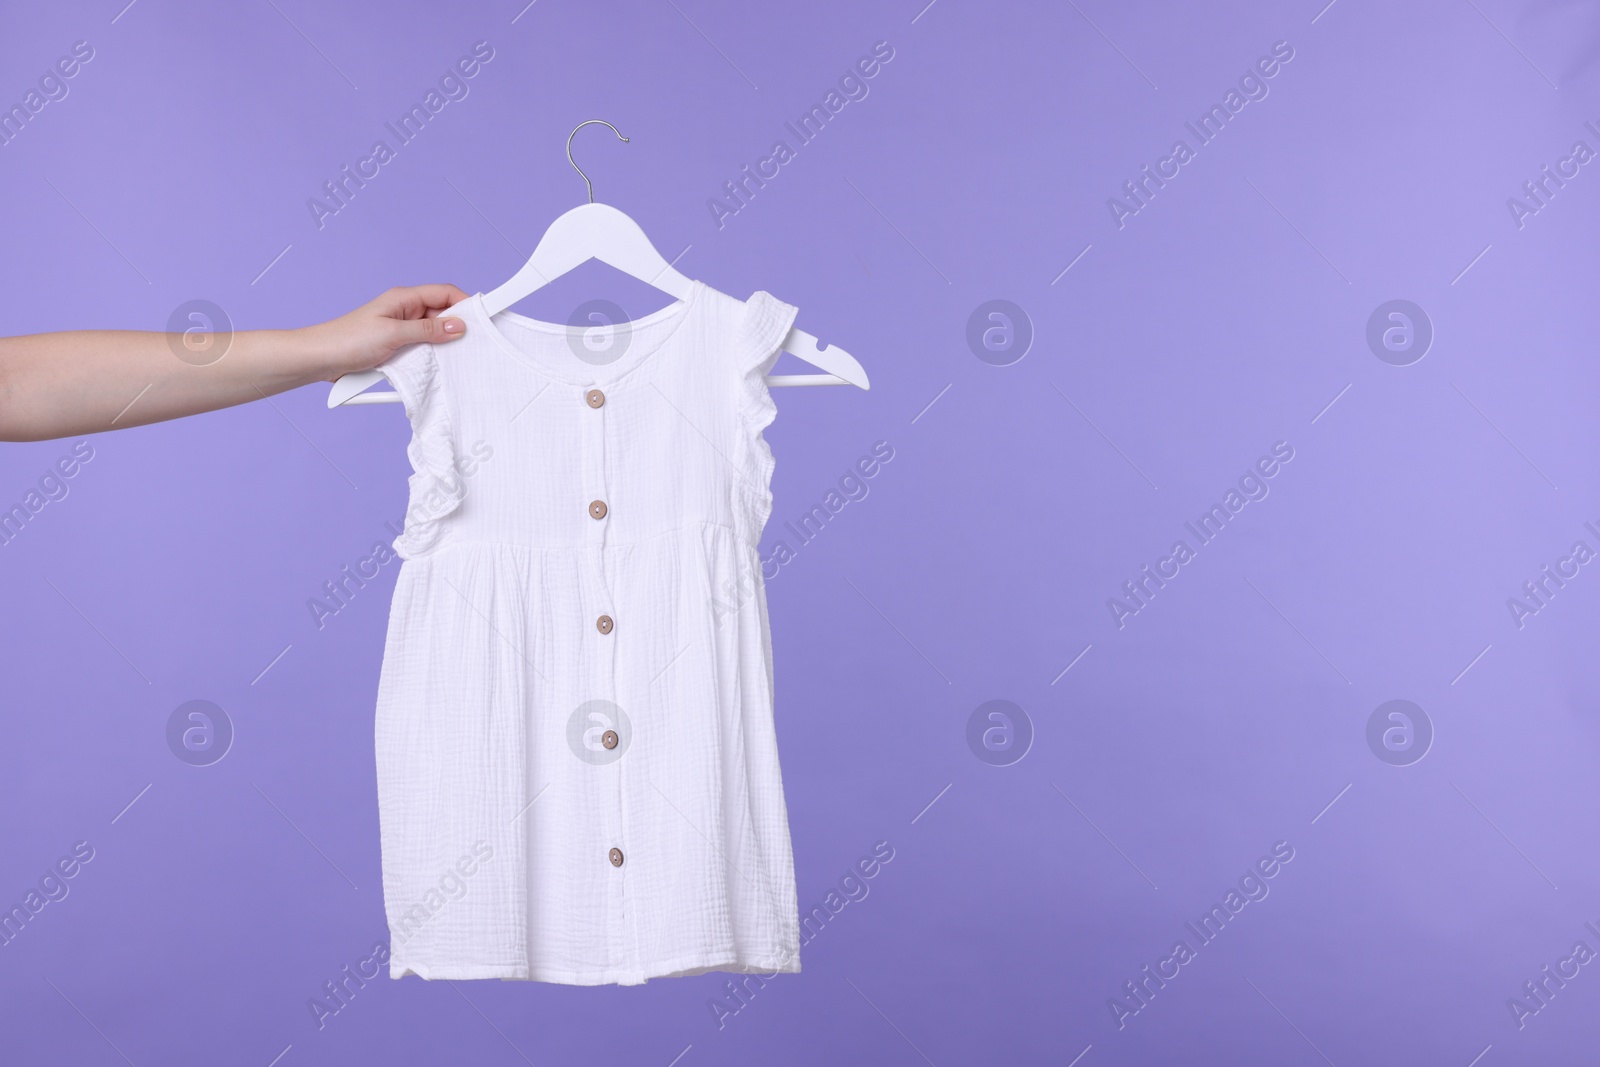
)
(436, 486)
(767, 321)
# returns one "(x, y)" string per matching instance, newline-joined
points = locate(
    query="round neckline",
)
(676, 313)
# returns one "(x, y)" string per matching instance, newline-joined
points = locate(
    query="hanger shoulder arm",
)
(836, 361)
(351, 389)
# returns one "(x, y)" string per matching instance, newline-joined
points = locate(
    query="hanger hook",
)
(575, 166)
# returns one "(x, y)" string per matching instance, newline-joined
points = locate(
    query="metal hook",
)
(575, 166)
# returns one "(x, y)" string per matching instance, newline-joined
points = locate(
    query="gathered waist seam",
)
(580, 548)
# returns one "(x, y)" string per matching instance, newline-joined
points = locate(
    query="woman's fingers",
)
(432, 330)
(418, 301)
(416, 314)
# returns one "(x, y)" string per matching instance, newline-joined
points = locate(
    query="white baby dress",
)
(577, 766)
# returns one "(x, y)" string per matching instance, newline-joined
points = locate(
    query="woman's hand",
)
(369, 335)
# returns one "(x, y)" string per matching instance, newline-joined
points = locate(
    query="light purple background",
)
(1224, 317)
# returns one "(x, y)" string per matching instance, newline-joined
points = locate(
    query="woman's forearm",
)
(61, 384)
(77, 382)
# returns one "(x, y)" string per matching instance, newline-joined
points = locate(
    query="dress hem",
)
(681, 967)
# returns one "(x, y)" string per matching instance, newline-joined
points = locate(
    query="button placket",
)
(599, 652)
(600, 510)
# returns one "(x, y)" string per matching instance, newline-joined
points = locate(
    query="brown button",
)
(616, 857)
(609, 739)
(595, 398)
(597, 509)
(604, 624)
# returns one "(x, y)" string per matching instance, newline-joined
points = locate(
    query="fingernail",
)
(454, 325)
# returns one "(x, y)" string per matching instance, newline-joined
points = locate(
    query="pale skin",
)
(86, 381)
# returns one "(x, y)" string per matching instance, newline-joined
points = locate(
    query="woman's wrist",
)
(314, 354)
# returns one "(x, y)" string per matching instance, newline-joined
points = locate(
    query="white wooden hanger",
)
(599, 231)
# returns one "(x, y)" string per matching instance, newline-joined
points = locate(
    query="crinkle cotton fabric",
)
(561, 797)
